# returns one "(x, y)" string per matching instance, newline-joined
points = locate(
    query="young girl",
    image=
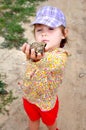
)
(44, 72)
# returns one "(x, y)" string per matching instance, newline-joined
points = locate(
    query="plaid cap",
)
(50, 16)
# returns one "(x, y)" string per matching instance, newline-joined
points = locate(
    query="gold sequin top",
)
(42, 79)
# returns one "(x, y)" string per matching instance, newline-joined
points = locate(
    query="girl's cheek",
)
(37, 38)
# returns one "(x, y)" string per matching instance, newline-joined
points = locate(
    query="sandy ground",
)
(72, 94)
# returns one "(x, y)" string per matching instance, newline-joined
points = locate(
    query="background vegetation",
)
(12, 14)
(5, 98)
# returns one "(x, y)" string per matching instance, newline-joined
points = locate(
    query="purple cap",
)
(50, 16)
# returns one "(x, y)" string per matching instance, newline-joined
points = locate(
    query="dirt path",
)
(72, 94)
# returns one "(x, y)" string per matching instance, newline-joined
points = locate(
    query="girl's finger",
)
(33, 54)
(46, 48)
(39, 56)
(23, 48)
(27, 51)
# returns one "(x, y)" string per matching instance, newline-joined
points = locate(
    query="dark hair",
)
(63, 41)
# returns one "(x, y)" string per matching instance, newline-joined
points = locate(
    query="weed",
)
(12, 13)
(5, 98)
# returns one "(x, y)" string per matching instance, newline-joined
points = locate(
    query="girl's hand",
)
(26, 49)
(30, 53)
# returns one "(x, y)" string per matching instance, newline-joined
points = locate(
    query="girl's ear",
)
(65, 33)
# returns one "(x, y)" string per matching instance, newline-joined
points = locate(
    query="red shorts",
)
(34, 112)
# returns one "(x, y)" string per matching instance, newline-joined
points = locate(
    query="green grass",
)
(12, 13)
(6, 98)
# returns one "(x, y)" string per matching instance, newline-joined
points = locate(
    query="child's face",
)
(51, 36)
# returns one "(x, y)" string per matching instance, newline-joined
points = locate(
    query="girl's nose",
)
(44, 34)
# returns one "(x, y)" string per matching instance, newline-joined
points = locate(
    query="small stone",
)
(7, 108)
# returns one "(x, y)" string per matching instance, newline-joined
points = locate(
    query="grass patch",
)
(12, 13)
(6, 98)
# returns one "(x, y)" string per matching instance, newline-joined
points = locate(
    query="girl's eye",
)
(38, 30)
(51, 28)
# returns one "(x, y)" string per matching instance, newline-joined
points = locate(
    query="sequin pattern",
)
(42, 79)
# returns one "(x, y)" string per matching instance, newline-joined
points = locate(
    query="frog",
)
(39, 47)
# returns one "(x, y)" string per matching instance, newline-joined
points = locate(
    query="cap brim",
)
(47, 21)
